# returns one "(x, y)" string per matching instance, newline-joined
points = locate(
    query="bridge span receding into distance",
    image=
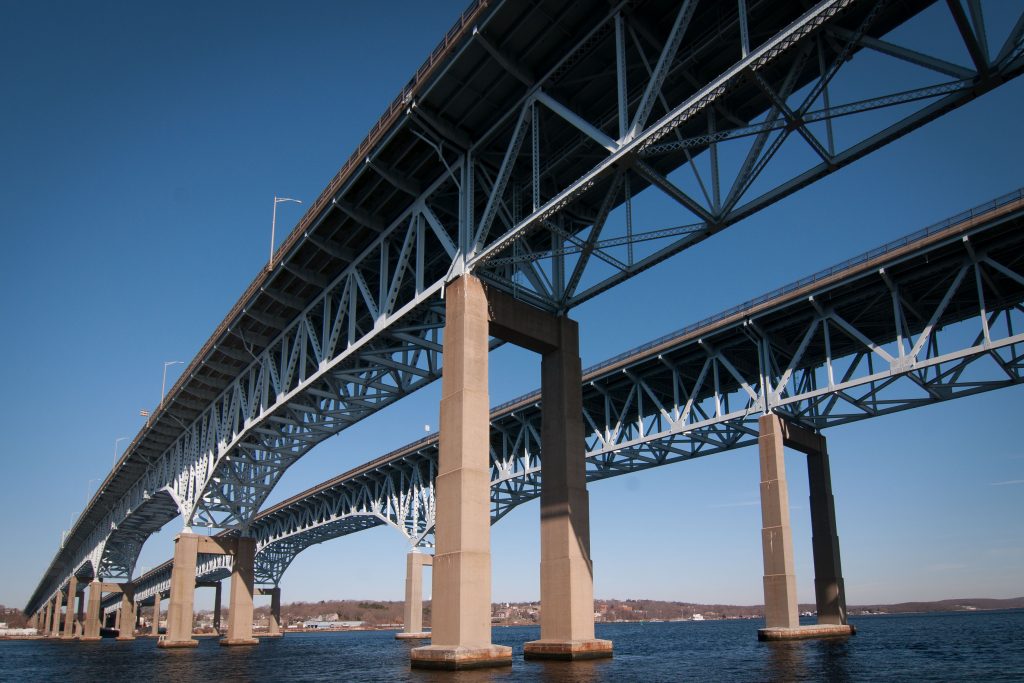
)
(507, 162)
(950, 296)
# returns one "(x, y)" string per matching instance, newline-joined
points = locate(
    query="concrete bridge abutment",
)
(782, 617)
(414, 564)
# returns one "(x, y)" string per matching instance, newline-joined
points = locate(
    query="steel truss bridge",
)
(931, 317)
(520, 152)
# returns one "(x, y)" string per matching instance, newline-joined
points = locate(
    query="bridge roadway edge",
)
(463, 28)
(1009, 207)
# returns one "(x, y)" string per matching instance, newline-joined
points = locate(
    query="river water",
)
(983, 646)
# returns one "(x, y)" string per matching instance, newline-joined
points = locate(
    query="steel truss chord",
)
(631, 99)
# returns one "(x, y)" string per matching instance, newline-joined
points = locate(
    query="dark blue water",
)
(961, 646)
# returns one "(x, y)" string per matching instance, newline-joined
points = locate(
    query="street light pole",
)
(117, 441)
(273, 226)
(163, 387)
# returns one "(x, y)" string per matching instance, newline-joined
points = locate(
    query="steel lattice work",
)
(928, 318)
(519, 152)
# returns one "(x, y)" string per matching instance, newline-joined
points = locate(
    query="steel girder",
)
(928, 318)
(561, 248)
(528, 196)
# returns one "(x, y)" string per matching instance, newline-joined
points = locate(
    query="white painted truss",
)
(536, 196)
(929, 318)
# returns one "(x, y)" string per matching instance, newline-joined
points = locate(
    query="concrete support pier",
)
(461, 633)
(782, 621)
(55, 623)
(566, 571)
(69, 619)
(829, 591)
(80, 613)
(414, 563)
(274, 622)
(154, 626)
(180, 605)
(217, 606)
(128, 616)
(44, 627)
(240, 597)
(92, 611)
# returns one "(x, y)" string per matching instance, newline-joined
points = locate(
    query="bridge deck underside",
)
(925, 292)
(307, 352)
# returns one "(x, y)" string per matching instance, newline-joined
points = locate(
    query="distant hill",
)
(953, 605)
(376, 612)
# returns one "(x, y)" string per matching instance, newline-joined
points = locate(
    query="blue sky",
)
(140, 149)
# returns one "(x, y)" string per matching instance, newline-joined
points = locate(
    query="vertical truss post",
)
(620, 73)
(744, 30)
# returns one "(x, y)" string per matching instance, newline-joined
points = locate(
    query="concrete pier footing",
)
(804, 632)
(413, 635)
(782, 621)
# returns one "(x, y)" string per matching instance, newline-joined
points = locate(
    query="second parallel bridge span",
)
(931, 317)
(506, 157)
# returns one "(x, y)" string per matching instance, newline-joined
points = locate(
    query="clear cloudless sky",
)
(141, 145)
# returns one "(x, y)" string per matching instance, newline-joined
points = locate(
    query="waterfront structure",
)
(661, 404)
(447, 196)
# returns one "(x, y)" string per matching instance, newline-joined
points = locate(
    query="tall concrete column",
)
(461, 633)
(240, 605)
(274, 625)
(92, 612)
(216, 606)
(69, 619)
(829, 591)
(414, 563)
(566, 570)
(128, 615)
(55, 625)
(781, 619)
(274, 621)
(44, 627)
(780, 604)
(155, 626)
(183, 585)
(80, 614)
